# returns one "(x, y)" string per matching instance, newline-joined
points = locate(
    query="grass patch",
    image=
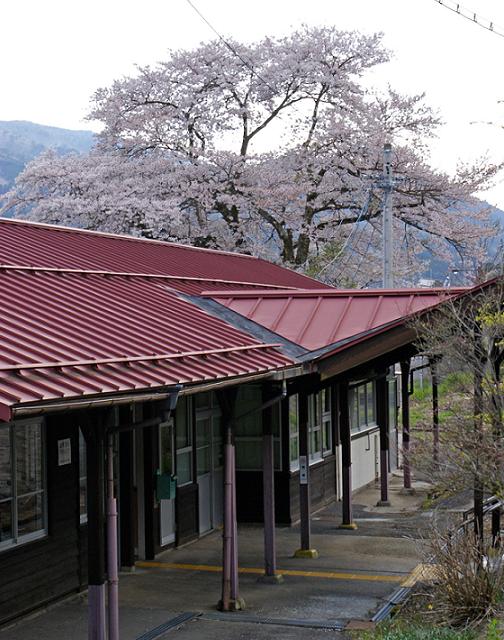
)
(401, 630)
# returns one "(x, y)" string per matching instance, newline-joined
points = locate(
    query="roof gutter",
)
(93, 403)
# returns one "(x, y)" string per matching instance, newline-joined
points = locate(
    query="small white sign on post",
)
(64, 452)
(303, 469)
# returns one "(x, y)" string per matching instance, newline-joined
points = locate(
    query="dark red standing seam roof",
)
(31, 244)
(89, 334)
(316, 319)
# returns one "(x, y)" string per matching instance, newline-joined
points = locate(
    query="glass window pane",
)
(30, 514)
(362, 405)
(354, 410)
(184, 467)
(5, 520)
(326, 400)
(28, 443)
(370, 404)
(293, 414)
(203, 431)
(249, 399)
(166, 456)
(294, 449)
(5, 464)
(182, 426)
(392, 404)
(327, 435)
(204, 457)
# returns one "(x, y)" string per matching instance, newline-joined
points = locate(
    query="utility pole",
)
(388, 240)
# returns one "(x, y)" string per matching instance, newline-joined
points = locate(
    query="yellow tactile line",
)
(332, 575)
(424, 572)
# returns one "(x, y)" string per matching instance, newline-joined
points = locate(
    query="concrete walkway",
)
(355, 572)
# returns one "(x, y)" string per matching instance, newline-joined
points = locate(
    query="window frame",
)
(293, 435)
(189, 448)
(16, 540)
(355, 393)
(314, 427)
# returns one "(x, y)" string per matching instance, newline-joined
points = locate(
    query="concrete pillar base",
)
(234, 605)
(306, 553)
(383, 503)
(349, 527)
(275, 579)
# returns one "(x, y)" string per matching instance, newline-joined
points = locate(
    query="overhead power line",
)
(230, 46)
(468, 14)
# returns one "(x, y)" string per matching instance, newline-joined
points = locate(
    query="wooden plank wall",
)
(41, 571)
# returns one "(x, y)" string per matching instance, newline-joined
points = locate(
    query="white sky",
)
(55, 53)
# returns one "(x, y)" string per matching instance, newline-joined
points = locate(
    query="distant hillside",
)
(22, 141)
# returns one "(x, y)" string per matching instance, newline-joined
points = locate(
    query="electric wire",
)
(468, 14)
(230, 46)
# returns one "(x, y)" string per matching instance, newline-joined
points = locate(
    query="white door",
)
(166, 465)
(209, 456)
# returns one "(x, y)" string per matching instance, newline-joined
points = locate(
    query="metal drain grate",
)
(330, 625)
(167, 626)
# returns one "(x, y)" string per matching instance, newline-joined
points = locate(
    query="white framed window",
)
(362, 406)
(82, 478)
(183, 442)
(325, 410)
(314, 427)
(23, 512)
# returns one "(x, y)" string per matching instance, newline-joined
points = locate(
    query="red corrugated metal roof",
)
(65, 322)
(32, 244)
(315, 319)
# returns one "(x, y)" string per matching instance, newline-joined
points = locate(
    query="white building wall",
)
(365, 458)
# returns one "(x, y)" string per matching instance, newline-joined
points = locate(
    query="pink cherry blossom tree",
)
(274, 148)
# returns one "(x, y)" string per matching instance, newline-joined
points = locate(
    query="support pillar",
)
(435, 410)
(496, 527)
(405, 409)
(346, 456)
(112, 557)
(383, 423)
(270, 572)
(93, 433)
(230, 599)
(128, 522)
(305, 551)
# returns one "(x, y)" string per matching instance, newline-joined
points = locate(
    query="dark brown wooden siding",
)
(322, 486)
(186, 513)
(36, 573)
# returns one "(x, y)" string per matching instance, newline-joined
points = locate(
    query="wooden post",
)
(95, 453)
(230, 599)
(305, 551)
(435, 410)
(270, 573)
(346, 456)
(383, 423)
(126, 511)
(405, 396)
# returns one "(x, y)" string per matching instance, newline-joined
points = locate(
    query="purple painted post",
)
(97, 614)
(383, 423)
(227, 550)
(112, 558)
(234, 538)
(346, 457)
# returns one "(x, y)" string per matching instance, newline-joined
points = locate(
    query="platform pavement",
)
(354, 573)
